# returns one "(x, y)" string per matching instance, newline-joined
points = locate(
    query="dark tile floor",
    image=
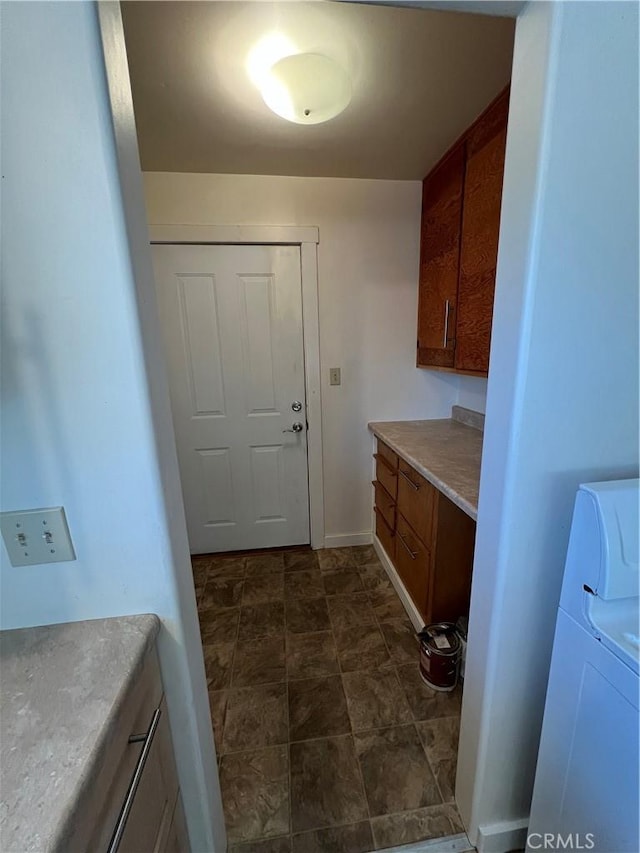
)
(327, 738)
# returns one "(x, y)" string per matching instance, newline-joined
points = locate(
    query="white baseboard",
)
(412, 611)
(502, 837)
(346, 540)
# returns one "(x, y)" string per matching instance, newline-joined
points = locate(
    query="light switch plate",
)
(334, 376)
(35, 536)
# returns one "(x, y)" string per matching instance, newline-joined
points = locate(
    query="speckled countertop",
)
(447, 452)
(62, 689)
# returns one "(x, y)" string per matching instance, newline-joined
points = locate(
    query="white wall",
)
(368, 260)
(77, 415)
(562, 404)
(472, 393)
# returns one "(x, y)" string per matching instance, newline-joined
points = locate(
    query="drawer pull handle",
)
(392, 532)
(445, 341)
(412, 554)
(147, 739)
(390, 502)
(413, 485)
(380, 458)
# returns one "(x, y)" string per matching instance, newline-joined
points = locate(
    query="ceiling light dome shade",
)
(307, 88)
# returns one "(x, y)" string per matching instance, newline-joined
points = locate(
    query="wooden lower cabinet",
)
(386, 534)
(430, 542)
(150, 824)
(385, 505)
(154, 821)
(413, 563)
(416, 500)
(454, 537)
(387, 471)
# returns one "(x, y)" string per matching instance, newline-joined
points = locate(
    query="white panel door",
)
(231, 319)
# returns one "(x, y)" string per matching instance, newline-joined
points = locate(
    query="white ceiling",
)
(419, 79)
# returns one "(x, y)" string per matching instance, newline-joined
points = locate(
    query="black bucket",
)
(440, 650)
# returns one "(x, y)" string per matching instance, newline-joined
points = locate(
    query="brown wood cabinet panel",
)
(429, 540)
(388, 454)
(386, 475)
(386, 535)
(455, 536)
(385, 503)
(416, 498)
(480, 229)
(461, 201)
(413, 562)
(439, 260)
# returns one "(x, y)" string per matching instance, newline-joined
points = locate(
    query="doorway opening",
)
(311, 659)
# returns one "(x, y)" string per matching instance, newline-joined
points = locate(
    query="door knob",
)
(297, 427)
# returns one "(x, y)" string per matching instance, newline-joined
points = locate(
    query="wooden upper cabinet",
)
(480, 228)
(461, 200)
(439, 260)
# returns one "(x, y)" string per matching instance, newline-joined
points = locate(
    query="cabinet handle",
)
(147, 739)
(387, 496)
(413, 485)
(446, 324)
(392, 532)
(380, 458)
(412, 554)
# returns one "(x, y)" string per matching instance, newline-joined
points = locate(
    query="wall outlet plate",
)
(36, 536)
(334, 376)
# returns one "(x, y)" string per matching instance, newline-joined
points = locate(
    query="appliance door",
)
(587, 775)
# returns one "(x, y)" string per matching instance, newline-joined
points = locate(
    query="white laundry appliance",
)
(586, 787)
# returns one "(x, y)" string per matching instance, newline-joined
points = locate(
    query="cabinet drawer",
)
(387, 453)
(150, 818)
(413, 562)
(416, 498)
(385, 503)
(386, 535)
(387, 469)
(100, 802)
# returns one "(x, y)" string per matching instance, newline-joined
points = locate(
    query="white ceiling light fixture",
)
(306, 88)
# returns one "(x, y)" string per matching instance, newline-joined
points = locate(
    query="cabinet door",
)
(385, 504)
(480, 228)
(386, 535)
(413, 563)
(416, 497)
(439, 261)
(387, 469)
(455, 536)
(153, 807)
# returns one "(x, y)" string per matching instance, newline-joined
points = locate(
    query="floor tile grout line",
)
(228, 686)
(379, 623)
(352, 731)
(314, 829)
(289, 777)
(394, 665)
(353, 740)
(429, 761)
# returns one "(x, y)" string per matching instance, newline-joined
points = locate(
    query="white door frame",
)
(307, 238)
